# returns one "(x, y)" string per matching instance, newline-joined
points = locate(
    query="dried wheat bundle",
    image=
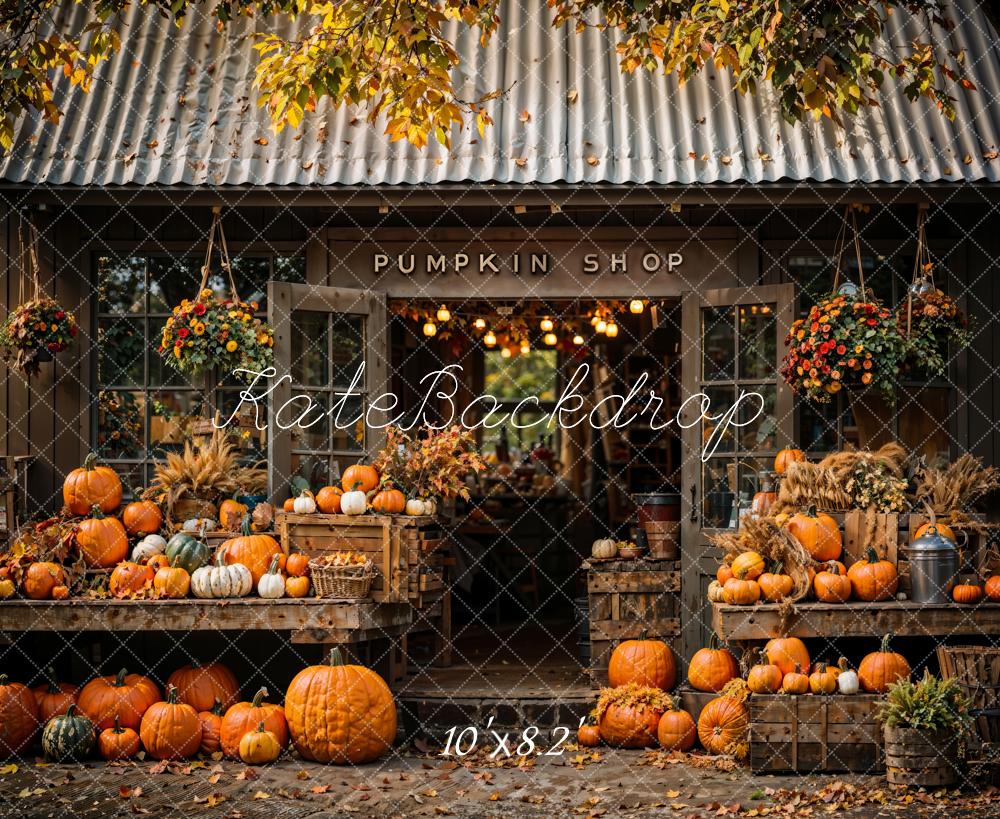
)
(958, 486)
(807, 484)
(251, 480)
(892, 456)
(208, 471)
(772, 541)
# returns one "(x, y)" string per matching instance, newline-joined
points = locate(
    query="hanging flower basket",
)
(34, 332)
(213, 331)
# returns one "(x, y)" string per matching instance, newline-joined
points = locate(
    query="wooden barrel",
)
(914, 757)
(664, 538)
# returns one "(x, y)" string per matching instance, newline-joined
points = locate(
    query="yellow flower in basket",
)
(231, 345)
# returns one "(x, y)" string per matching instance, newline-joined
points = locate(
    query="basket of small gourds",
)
(342, 575)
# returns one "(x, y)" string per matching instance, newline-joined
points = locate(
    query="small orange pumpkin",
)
(943, 529)
(172, 582)
(823, 680)
(723, 574)
(297, 587)
(831, 586)
(91, 485)
(993, 588)
(362, 477)
(712, 667)
(881, 668)
(967, 593)
(157, 562)
(60, 592)
(117, 743)
(130, 578)
(53, 697)
(245, 716)
(125, 696)
(171, 729)
(646, 662)
(873, 579)
(765, 677)
(289, 505)
(775, 586)
(40, 580)
(588, 736)
(297, 565)
(795, 682)
(231, 513)
(388, 501)
(818, 533)
(102, 541)
(676, 730)
(738, 592)
(211, 729)
(748, 566)
(328, 500)
(254, 551)
(142, 517)
(787, 457)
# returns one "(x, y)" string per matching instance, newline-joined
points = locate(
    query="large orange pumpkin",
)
(340, 713)
(41, 578)
(171, 729)
(630, 726)
(712, 667)
(246, 716)
(53, 697)
(201, 686)
(722, 725)
(676, 730)
(361, 477)
(787, 457)
(992, 588)
(126, 696)
(211, 729)
(873, 579)
(882, 667)
(818, 533)
(18, 717)
(92, 485)
(102, 541)
(388, 501)
(328, 500)
(142, 517)
(786, 653)
(129, 578)
(642, 661)
(254, 551)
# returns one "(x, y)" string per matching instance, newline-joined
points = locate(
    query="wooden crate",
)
(627, 597)
(810, 733)
(977, 669)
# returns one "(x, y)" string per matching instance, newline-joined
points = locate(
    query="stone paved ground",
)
(414, 784)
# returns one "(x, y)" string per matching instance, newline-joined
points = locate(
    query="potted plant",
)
(924, 724)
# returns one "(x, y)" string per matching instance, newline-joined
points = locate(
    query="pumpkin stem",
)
(885, 644)
(336, 658)
(95, 512)
(355, 485)
(217, 708)
(71, 709)
(245, 527)
(50, 676)
(871, 555)
(260, 727)
(120, 679)
(172, 694)
(3, 679)
(842, 664)
(798, 668)
(90, 461)
(811, 510)
(273, 568)
(118, 725)
(643, 633)
(258, 698)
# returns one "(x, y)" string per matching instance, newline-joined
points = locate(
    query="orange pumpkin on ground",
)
(340, 713)
(142, 517)
(748, 566)
(775, 586)
(254, 551)
(818, 533)
(91, 485)
(787, 457)
(943, 529)
(967, 593)
(117, 743)
(712, 667)
(211, 729)
(201, 686)
(388, 501)
(53, 697)
(676, 730)
(359, 476)
(630, 726)
(588, 736)
(328, 500)
(873, 579)
(102, 541)
(765, 677)
(795, 682)
(130, 578)
(831, 585)
(297, 565)
(246, 716)
(882, 667)
(786, 653)
(18, 717)
(170, 729)
(993, 588)
(41, 578)
(642, 661)
(722, 725)
(126, 696)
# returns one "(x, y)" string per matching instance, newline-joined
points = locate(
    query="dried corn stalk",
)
(958, 486)
(773, 542)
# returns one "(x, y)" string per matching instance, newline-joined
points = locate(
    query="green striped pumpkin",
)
(68, 736)
(186, 552)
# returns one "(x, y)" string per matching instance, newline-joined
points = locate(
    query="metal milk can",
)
(934, 565)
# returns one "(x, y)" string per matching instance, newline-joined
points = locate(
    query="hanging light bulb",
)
(505, 352)
(443, 314)
(550, 339)
(489, 339)
(546, 325)
(578, 339)
(601, 326)
(479, 324)
(595, 319)
(430, 329)
(611, 330)
(525, 348)
(636, 306)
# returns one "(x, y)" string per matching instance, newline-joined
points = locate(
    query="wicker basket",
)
(342, 582)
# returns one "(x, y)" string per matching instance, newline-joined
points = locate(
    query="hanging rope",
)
(28, 256)
(216, 231)
(850, 221)
(923, 267)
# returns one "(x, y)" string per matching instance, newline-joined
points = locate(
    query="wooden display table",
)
(811, 619)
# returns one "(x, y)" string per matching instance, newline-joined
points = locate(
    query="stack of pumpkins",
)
(361, 489)
(200, 713)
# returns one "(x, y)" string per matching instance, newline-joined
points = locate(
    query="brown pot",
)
(187, 508)
(923, 758)
(873, 417)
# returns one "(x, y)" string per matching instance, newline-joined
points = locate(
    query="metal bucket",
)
(934, 566)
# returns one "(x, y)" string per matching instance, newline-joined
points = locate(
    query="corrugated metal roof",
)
(177, 107)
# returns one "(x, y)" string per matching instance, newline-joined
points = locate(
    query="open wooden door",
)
(320, 420)
(736, 343)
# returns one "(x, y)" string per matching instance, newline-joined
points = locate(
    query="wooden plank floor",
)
(556, 682)
(763, 621)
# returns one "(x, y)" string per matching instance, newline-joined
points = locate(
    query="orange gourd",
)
(117, 743)
(764, 499)
(818, 533)
(157, 562)
(126, 696)
(254, 551)
(787, 457)
(359, 476)
(53, 697)
(712, 667)
(18, 717)
(630, 726)
(823, 680)
(775, 586)
(738, 592)
(967, 593)
(288, 505)
(723, 574)
(765, 677)
(142, 517)
(211, 729)
(786, 653)
(881, 668)
(41, 578)
(722, 725)
(60, 592)
(130, 578)
(993, 588)
(340, 713)
(831, 586)
(676, 730)
(646, 662)
(170, 729)
(795, 682)
(328, 500)
(102, 541)
(388, 501)
(588, 736)
(92, 485)
(245, 716)
(172, 582)
(873, 579)
(748, 566)
(297, 565)
(231, 513)
(297, 587)
(201, 686)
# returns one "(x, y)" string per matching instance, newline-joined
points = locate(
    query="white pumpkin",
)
(715, 592)
(199, 525)
(847, 679)
(354, 502)
(147, 547)
(604, 548)
(272, 585)
(220, 580)
(304, 504)
(418, 507)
